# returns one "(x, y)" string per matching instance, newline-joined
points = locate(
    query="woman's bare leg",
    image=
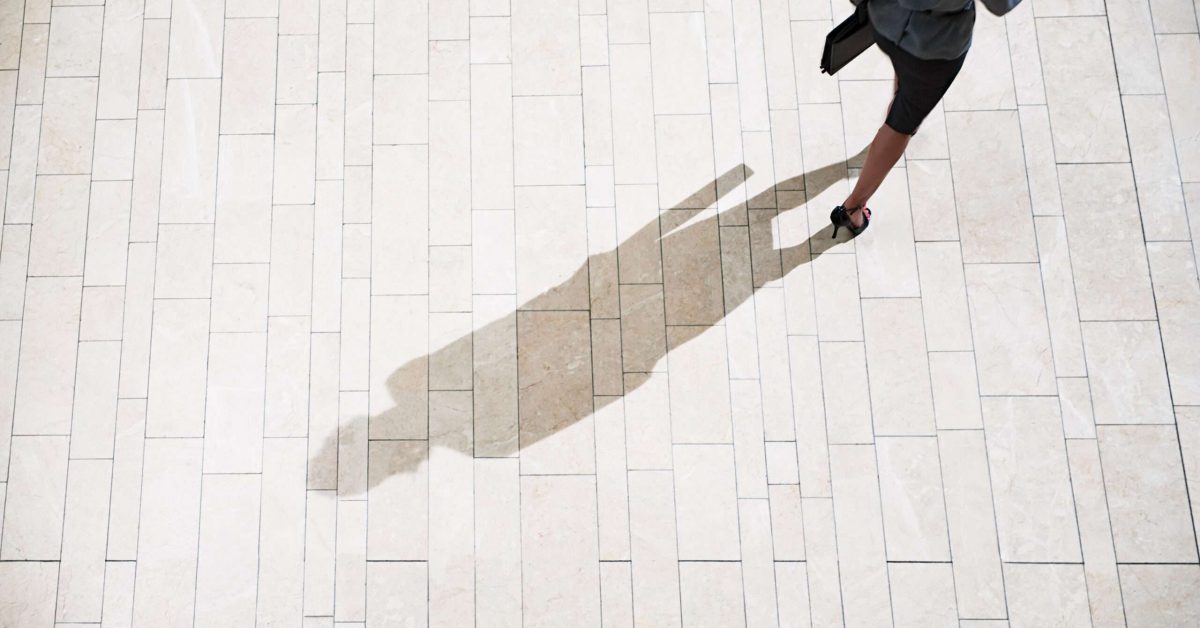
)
(885, 151)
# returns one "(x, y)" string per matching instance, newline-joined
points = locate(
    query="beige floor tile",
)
(616, 594)
(14, 266)
(147, 176)
(359, 91)
(189, 164)
(332, 36)
(57, 242)
(152, 76)
(233, 423)
(399, 252)
(1154, 168)
(914, 515)
(931, 194)
(34, 504)
(1039, 160)
(551, 243)
(450, 180)
(684, 146)
(860, 535)
(791, 580)
(1178, 54)
(700, 404)
(48, 352)
(706, 502)
(709, 592)
(113, 154)
(30, 593)
(944, 296)
(295, 154)
(405, 117)
(10, 340)
(1095, 533)
(449, 71)
(227, 570)
(108, 234)
(1177, 296)
(95, 406)
(979, 582)
(1012, 346)
(118, 594)
(655, 566)
(612, 486)
(196, 41)
(320, 555)
(1128, 378)
(844, 375)
(351, 562)
(168, 531)
(181, 271)
(406, 26)
(633, 113)
(1062, 311)
(398, 592)
(296, 77)
(901, 397)
(22, 172)
(545, 40)
(1041, 593)
(824, 592)
(136, 326)
(560, 582)
(10, 21)
(1160, 594)
(677, 46)
(498, 535)
(923, 594)
(992, 88)
(35, 38)
(281, 532)
(248, 77)
(1133, 47)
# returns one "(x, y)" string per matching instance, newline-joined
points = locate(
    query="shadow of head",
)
(432, 409)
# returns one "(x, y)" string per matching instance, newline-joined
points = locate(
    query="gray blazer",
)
(931, 29)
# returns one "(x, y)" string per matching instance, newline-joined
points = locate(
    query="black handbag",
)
(848, 40)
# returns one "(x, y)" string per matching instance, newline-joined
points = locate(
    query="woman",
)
(927, 41)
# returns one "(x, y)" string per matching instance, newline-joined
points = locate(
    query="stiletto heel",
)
(840, 217)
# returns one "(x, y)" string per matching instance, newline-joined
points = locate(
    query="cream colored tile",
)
(1009, 320)
(298, 17)
(1061, 309)
(68, 126)
(787, 521)
(48, 355)
(1160, 594)
(352, 447)
(95, 411)
(320, 541)
(606, 357)
(1143, 477)
(248, 77)
(449, 165)
(359, 93)
(29, 588)
(706, 502)
(196, 41)
(1034, 514)
(281, 536)
(633, 114)
(449, 72)
(351, 562)
(22, 172)
(57, 242)
(233, 417)
(31, 78)
(397, 592)
(397, 521)
(1178, 298)
(944, 296)
(404, 119)
(655, 565)
(901, 396)
(558, 551)
(991, 194)
(136, 326)
(1154, 168)
(1023, 49)
(821, 566)
(189, 164)
(296, 78)
(1081, 90)
(548, 140)
(597, 116)
(709, 591)
(147, 177)
(551, 241)
(628, 23)
(700, 406)
(555, 397)
(1179, 55)
(295, 154)
(647, 404)
(860, 544)
(81, 573)
(611, 481)
(239, 298)
(1095, 535)
(751, 65)
(593, 39)
(791, 579)
(113, 158)
(227, 569)
(1076, 400)
(955, 390)
(923, 594)
(448, 20)
(740, 311)
(545, 39)
(847, 414)
(451, 544)
(10, 28)
(839, 316)
(678, 55)
(128, 454)
(178, 358)
(323, 413)
(331, 30)
(243, 206)
(14, 265)
(1133, 47)
(406, 27)
(759, 168)
(811, 439)
(1107, 253)
(182, 271)
(1128, 378)
(914, 516)
(495, 383)
(493, 269)
(35, 500)
(152, 76)
(491, 40)
(972, 524)
(450, 278)
(100, 315)
(639, 254)
(291, 260)
(118, 594)
(1039, 161)
(616, 594)
(327, 257)
(1065, 8)
(399, 367)
(491, 137)
(400, 221)
(1046, 593)
(168, 531)
(287, 377)
(600, 189)
(498, 534)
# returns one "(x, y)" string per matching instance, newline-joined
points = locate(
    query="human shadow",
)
(647, 283)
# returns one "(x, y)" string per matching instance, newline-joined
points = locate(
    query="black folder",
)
(848, 40)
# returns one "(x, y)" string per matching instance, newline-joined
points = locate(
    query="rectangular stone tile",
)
(706, 502)
(295, 154)
(691, 273)
(147, 176)
(923, 594)
(901, 396)
(787, 521)
(400, 221)
(811, 436)
(493, 252)
(1058, 283)
(751, 65)
(331, 31)
(914, 515)
(491, 40)
(30, 587)
(296, 77)
(248, 77)
(558, 552)
(612, 487)
(95, 409)
(68, 126)
(108, 234)
(1075, 396)
(555, 398)
(955, 387)
(22, 173)
(944, 296)
(227, 569)
(10, 342)
(180, 270)
(710, 591)
(495, 380)
(748, 450)
(14, 270)
(847, 416)
(35, 500)
(1046, 593)
(1081, 90)
(81, 573)
(1155, 170)
(1008, 316)
(1107, 253)
(677, 50)
(112, 158)
(450, 163)
(450, 279)
(360, 80)
(168, 531)
(1095, 534)
(405, 118)
(616, 594)
(839, 315)
(491, 137)
(10, 29)
(1178, 299)
(684, 148)
(399, 369)
(1027, 457)
(1039, 160)
(152, 76)
(1178, 53)
(1023, 49)
(178, 364)
(1127, 374)
(498, 541)
(861, 555)
(118, 594)
(397, 592)
(545, 39)
(992, 193)
(639, 252)
(700, 406)
(1188, 419)
(1133, 47)
(1160, 595)
(320, 542)
(597, 116)
(233, 421)
(397, 522)
(633, 113)
(57, 242)
(196, 41)
(189, 162)
(791, 579)
(327, 257)
(323, 411)
(971, 522)
(449, 72)
(781, 463)
(291, 260)
(820, 549)
(281, 535)
(35, 38)
(893, 251)
(1143, 478)
(48, 355)
(350, 564)
(406, 27)
(931, 194)
(136, 326)
(551, 248)
(593, 39)
(352, 447)
(298, 17)
(655, 565)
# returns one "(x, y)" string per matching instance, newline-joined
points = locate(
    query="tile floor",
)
(525, 312)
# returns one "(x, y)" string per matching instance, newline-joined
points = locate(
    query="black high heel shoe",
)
(840, 217)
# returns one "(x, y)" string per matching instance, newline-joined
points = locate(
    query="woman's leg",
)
(885, 151)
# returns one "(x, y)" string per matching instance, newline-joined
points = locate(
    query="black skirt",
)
(921, 84)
